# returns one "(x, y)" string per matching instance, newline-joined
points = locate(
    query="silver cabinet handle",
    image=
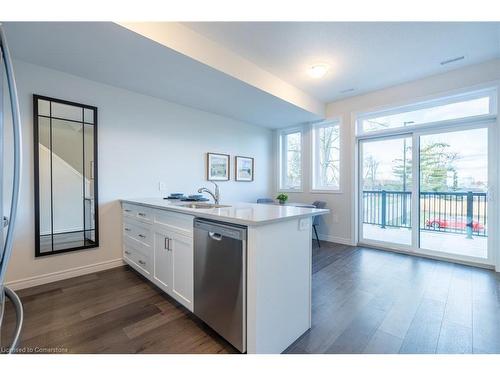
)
(142, 262)
(142, 235)
(166, 243)
(127, 252)
(127, 229)
(170, 244)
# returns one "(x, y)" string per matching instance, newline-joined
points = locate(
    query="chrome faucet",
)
(215, 195)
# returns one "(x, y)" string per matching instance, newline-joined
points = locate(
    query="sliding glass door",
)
(386, 190)
(425, 175)
(454, 193)
(439, 204)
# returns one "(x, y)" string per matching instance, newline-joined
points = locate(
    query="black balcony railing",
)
(452, 212)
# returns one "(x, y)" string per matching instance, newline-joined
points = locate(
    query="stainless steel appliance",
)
(220, 254)
(8, 223)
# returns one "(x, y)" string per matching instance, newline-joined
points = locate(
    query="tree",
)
(329, 155)
(403, 169)
(293, 162)
(370, 167)
(436, 163)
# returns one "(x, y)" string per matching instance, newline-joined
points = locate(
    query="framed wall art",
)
(217, 167)
(244, 170)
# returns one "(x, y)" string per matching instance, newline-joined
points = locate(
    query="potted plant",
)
(282, 198)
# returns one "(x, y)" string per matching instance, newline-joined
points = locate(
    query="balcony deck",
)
(451, 243)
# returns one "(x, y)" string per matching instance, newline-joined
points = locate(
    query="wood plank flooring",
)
(364, 301)
(371, 301)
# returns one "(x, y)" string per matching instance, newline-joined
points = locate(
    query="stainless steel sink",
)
(202, 205)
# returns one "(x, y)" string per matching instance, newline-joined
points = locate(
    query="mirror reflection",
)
(66, 175)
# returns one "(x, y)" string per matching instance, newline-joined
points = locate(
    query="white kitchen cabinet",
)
(182, 269)
(162, 273)
(159, 245)
(139, 260)
(173, 265)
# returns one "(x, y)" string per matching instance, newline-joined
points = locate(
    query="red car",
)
(452, 224)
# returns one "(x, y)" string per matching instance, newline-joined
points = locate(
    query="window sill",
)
(325, 191)
(290, 191)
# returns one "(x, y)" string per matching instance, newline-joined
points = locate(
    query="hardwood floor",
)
(364, 301)
(372, 301)
(113, 311)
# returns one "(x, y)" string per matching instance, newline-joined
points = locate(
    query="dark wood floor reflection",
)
(364, 301)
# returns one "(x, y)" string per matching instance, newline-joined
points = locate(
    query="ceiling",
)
(253, 71)
(109, 53)
(362, 56)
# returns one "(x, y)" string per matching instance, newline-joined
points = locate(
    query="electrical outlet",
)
(335, 218)
(162, 186)
(303, 224)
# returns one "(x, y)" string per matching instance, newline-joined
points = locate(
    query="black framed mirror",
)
(66, 202)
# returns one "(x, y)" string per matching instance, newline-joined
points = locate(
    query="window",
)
(479, 103)
(291, 160)
(326, 156)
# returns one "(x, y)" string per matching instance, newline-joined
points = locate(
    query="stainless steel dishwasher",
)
(220, 279)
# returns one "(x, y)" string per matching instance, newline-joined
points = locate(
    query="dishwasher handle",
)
(215, 236)
(217, 230)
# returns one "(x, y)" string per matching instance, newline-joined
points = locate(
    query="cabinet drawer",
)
(141, 213)
(137, 258)
(180, 223)
(137, 231)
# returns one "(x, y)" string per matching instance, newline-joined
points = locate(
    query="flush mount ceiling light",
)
(318, 70)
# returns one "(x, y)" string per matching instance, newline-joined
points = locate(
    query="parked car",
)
(452, 224)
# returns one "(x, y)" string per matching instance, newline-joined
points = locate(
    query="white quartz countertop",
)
(237, 213)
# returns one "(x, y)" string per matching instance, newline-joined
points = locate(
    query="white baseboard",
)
(341, 240)
(65, 274)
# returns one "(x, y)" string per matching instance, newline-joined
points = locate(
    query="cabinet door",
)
(162, 261)
(182, 269)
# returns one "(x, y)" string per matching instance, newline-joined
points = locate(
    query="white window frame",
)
(282, 156)
(440, 100)
(491, 120)
(314, 157)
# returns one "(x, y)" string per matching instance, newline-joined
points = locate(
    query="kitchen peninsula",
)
(159, 242)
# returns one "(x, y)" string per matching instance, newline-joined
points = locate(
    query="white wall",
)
(141, 141)
(339, 225)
